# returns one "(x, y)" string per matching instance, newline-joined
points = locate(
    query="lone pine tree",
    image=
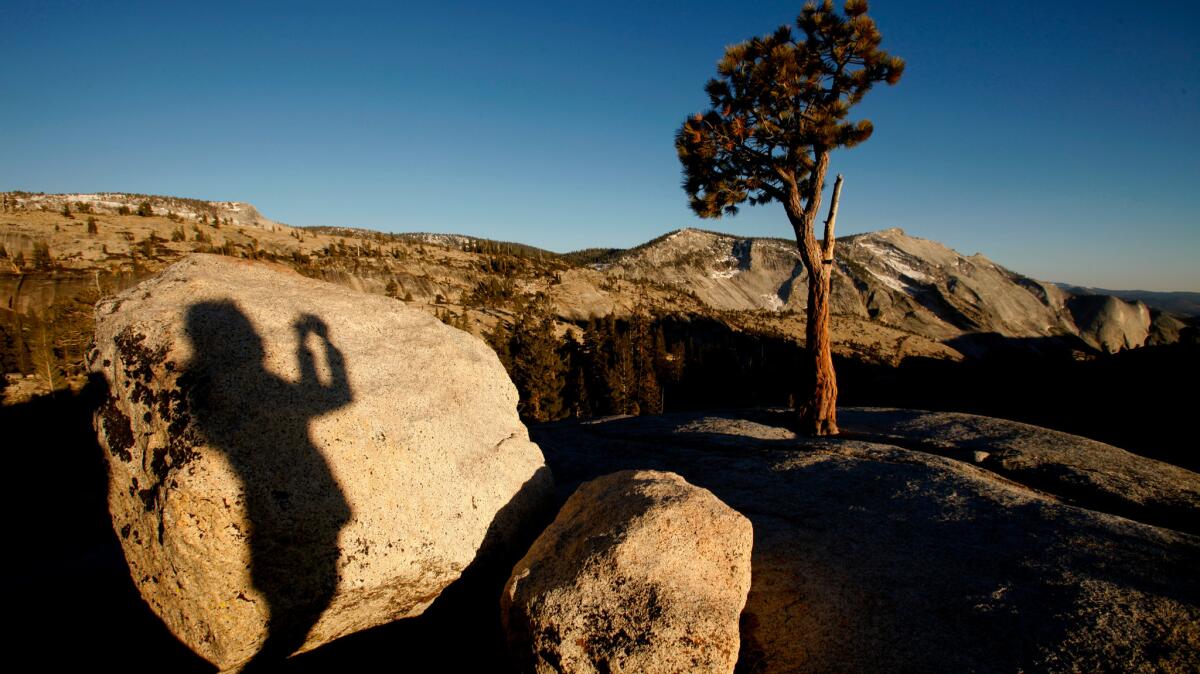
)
(779, 106)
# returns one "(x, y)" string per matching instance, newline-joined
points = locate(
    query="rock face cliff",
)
(291, 461)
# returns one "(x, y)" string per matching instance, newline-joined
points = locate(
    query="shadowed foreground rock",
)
(870, 557)
(291, 462)
(1085, 472)
(640, 572)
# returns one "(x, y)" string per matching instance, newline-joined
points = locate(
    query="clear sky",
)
(1058, 138)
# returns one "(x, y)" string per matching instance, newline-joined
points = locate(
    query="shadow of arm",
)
(337, 393)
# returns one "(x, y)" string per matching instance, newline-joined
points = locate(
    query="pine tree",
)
(144, 209)
(576, 399)
(66, 211)
(620, 375)
(92, 226)
(647, 392)
(537, 368)
(591, 362)
(668, 362)
(500, 339)
(779, 106)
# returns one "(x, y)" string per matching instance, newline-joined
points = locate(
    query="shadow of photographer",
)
(261, 422)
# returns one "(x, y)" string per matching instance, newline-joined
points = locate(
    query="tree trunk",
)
(816, 404)
(818, 414)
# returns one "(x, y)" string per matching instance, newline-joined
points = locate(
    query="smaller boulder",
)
(640, 572)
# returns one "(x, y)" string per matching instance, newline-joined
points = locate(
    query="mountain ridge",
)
(884, 280)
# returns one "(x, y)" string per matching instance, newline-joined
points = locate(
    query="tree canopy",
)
(778, 102)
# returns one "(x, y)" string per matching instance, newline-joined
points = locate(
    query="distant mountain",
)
(894, 295)
(1181, 303)
(891, 278)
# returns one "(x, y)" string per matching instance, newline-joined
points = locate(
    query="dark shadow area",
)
(1140, 400)
(994, 346)
(261, 423)
(80, 610)
(1136, 399)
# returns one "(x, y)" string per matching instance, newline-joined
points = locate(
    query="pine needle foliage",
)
(777, 103)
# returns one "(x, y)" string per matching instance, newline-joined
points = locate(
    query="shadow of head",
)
(222, 336)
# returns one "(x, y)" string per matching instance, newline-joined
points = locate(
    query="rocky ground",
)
(907, 554)
(875, 556)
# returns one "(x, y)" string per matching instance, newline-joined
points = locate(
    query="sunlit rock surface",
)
(640, 572)
(291, 461)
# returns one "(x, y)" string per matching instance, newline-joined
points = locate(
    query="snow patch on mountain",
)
(891, 258)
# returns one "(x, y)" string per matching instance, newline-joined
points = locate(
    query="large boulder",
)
(870, 557)
(1085, 472)
(640, 572)
(291, 461)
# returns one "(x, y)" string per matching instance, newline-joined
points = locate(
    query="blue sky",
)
(1059, 139)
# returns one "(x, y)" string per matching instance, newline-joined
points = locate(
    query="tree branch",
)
(829, 222)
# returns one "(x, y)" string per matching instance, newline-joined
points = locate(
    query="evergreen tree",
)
(668, 362)
(647, 392)
(537, 366)
(500, 339)
(66, 210)
(19, 259)
(92, 226)
(620, 375)
(144, 209)
(779, 106)
(576, 400)
(594, 352)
